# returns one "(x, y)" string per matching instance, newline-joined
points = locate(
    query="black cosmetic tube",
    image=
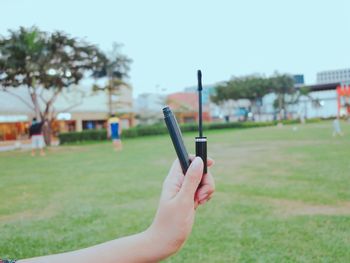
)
(176, 137)
(201, 151)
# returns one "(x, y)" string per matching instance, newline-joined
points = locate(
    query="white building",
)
(331, 76)
(148, 107)
(321, 102)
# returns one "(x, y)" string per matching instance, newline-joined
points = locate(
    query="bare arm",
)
(135, 248)
(171, 226)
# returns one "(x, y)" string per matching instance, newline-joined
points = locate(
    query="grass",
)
(282, 196)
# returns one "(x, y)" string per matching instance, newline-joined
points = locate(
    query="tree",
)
(45, 64)
(252, 87)
(229, 90)
(304, 91)
(282, 85)
(115, 68)
(255, 88)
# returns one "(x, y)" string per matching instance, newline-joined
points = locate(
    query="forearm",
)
(138, 248)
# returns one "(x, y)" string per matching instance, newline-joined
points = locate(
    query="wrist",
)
(159, 244)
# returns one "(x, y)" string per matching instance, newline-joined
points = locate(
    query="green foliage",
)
(34, 58)
(144, 131)
(87, 135)
(254, 88)
(115, 65)
(98, 135)
(115, 68)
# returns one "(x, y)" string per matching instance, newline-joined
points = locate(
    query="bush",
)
(100, 135)
(88, 135)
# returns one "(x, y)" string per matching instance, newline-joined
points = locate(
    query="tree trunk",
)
(280, 106)
(257, 105)
(110, 102)
(34, 98)
(47, 132)
(285, 113)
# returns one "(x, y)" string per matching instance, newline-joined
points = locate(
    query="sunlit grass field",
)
(283, 195)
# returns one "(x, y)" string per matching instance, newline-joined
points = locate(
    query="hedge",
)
(100, 135)
(87, 135)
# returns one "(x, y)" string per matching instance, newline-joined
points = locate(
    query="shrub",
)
(87, 135)
(100, 135)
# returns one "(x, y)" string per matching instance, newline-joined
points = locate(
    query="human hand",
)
(171, 226)
(180, 197)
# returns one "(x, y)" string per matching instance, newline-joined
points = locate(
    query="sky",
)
(169, 40)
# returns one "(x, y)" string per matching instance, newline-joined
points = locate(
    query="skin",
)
(42, 153)
(172, 225)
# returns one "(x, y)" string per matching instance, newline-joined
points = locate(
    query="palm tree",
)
(20, 57)
(115, 68)
(282, 85)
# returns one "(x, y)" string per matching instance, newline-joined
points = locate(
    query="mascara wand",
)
(201, 141)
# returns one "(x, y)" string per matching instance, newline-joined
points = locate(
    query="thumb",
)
(192, 179)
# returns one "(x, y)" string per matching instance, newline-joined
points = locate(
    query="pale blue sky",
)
(170, 40)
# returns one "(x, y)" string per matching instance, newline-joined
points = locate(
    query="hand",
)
(180, 197)
(171, 226)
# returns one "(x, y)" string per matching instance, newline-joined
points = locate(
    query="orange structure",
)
(185, 107)
(343, 98)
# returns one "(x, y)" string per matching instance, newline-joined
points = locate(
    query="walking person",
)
(36, 134)
(114, 131)
(336, 128)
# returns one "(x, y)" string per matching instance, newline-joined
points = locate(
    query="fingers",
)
(208, 180)
(172, 183)
(204, 193)
(192, 179)
(206, 189)
(210, 161)
(194, 186)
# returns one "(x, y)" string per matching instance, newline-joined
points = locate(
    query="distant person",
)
(172, 224)
(36, 134)
(336, 128)
(114, 131)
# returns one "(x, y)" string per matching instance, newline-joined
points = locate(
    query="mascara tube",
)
(201, 141)
(201, 151)
(176, 137)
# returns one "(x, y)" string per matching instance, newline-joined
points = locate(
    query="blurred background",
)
(261, 61)
(276, 107)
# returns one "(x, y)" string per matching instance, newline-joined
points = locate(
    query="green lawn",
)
(282, 196)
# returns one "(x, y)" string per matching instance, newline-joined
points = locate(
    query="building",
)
(185, 107)
(207, 91)
(76, 109)
(333, 76)
(298, 80)
(148, 108)
(216, 112)
(321, 102)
